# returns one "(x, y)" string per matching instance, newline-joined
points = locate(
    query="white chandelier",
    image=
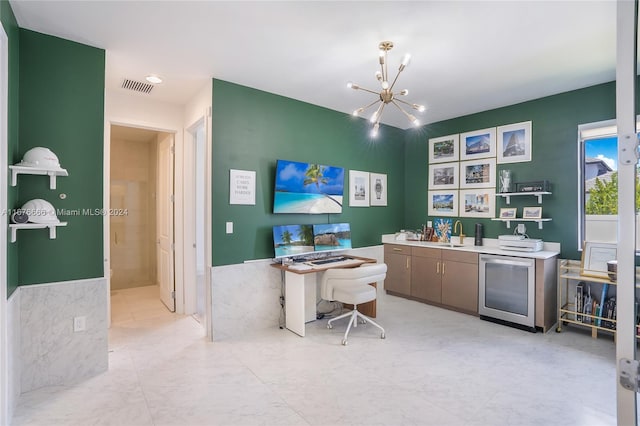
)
(387, 96)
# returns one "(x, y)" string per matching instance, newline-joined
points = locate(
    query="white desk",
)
(300, 293)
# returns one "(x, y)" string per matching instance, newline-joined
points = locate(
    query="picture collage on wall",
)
(367, 189)
(462, 168)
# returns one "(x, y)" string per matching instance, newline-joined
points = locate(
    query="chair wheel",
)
(329, 326)
(382, 336)
(344, 342)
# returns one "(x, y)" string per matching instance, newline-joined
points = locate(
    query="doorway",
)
(141, 213)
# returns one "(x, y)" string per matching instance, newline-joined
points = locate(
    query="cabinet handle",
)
(397, 249)
(442, 268)
(437, 267)
(407, 262)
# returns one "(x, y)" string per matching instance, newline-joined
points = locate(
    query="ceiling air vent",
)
(137, 86)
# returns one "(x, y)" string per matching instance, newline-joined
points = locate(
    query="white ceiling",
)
(467, 56)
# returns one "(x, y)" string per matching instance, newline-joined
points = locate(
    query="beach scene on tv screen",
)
(292, 240)
(332, 236)
(308, 188)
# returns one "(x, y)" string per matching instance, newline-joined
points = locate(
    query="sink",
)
(437, 244)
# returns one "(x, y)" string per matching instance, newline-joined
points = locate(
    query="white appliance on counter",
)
(507, 289)
(519, 243)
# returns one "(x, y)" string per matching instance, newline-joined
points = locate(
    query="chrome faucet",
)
(461, 235)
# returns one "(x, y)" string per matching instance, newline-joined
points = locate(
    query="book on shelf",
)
(605, 290)
(579, 300)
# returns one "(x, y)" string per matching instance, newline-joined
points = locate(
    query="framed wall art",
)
(477, 203)
(478, 173)
(595, 257)
(358, 188)
(443, 203)
(444, 149)
(443, 176)
(532, 212)
(508, 212)
(478, 144)
(378, 194)
(514, 143)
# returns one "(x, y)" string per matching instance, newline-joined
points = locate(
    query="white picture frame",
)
(514, 143)
(508, 212)
(242, 187)
(478, 202)
(442, 203)
(595, 257)
(444, 149)
(534, 212)
(478, 144)
(359, 189)
(378, 191)
(443, 176)
(478, 173)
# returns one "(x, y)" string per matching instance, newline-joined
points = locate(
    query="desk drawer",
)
(396, 249)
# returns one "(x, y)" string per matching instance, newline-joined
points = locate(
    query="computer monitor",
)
(292, 240)
(332, 236)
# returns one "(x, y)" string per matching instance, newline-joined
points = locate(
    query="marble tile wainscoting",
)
(13, 353)
(42, 325)
(246, 296)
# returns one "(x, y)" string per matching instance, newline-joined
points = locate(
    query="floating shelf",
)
(52, 228)
(508, 195)
(26, 170)
(517, 219)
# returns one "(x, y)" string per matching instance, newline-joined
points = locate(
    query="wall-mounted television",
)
(308, 188)
(292, 240)
(331, 236)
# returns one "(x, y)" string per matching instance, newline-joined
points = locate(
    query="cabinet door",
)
(425, 278)
(398, 273)
(460, 285)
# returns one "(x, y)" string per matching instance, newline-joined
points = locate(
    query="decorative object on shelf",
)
(537, 186)
(38, 161)
(505, 181)
(514, 143)
(386, 95)
(508, 213)
(378, 183)
(478, 173)
(444, 149)
(612, 270)
(595, 257)
(478, 144)
(532, 212)
(477, 202)
(444, 176)
(40, 211)
(19, 216)
(442, 203)
(358, 188)
(443, 228)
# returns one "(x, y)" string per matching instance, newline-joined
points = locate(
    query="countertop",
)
(490, 246)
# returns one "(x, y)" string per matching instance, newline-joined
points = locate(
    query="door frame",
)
(179, 206)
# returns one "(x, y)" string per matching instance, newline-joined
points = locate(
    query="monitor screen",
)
(332, 236)
(292, 240)
(308, 188)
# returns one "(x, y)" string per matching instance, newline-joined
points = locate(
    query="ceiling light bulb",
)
(153, 79)
(414, 120)
(420, 108)
(353, 86)
(357, 112)
(406, 59)
(374, 131)
(374, 116)
(382, 55)
(378, 76)
(385, 85)
(404, 92)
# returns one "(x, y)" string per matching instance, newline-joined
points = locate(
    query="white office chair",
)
(352, 286)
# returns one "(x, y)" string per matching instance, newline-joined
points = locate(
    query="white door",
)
(164, 204)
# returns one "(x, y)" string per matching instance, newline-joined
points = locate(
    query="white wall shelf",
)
(52, 228)
(26, 170)
(516, 219)
(508, 195)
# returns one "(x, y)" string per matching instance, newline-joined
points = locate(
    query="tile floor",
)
(436, 367)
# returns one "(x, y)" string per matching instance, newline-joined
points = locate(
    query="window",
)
(598, 181)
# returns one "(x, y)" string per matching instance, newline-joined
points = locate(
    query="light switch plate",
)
(229, 227)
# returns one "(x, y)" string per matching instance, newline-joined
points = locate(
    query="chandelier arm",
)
(371, 104)
(394, 80)
(403, 111)
(369, 90)
(406, 103)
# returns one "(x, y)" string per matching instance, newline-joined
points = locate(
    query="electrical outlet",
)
(79, 324)
(521, 229)
(229, 227)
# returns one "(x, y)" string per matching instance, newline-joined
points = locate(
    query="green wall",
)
(61, 107)
(10, 26)
(252, 129)
(555, 121)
